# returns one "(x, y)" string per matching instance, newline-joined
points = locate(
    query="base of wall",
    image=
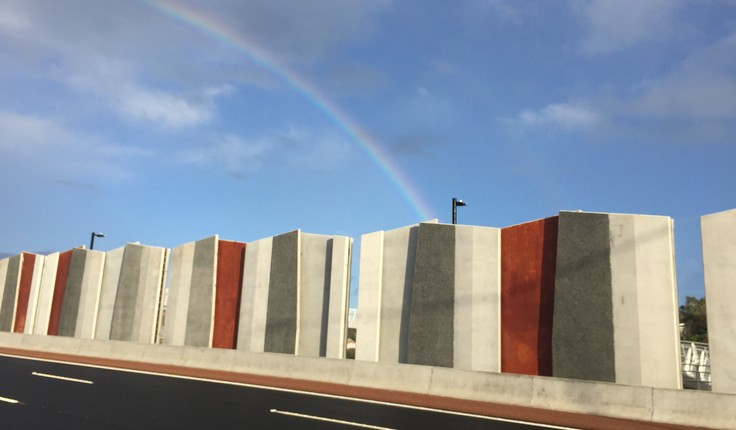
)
(519, 397)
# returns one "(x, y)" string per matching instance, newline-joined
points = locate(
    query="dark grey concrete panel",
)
(582, 333)
(123, 315)
(282, 294)
(200, 314)
(72, 294)
(12, 279)
(431, 318)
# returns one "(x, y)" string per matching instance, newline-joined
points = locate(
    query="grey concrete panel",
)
(370, 277)
(431, 319)
(148, 301)
(315, 266)
(477, 298)
(89, 298)
(283, 293)
(72, 294)
(254, 296)
(124, 311)
(399, 253)
(582, 333)
(10, 293)
(201, 310)
(719, 267)
(177, 300)
(339, 297)
(46, 294)
(108, 292)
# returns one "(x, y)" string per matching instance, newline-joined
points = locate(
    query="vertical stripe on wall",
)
(175, 321)
(315, 266)
(36, 276)
(200, 312)
(719, 267)
(24, 291)
(109, 292)
(46, 294)
(528, 261)
(283, 292)
(72, 294)
(370, 279)
(123, 318)
(10, 292)
(337, 319)
(431, 328)
(477, 312)
(583, 338)
(230, 261)
(62, 271)
(254, 296)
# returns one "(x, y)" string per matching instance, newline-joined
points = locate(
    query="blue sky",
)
(165, 122)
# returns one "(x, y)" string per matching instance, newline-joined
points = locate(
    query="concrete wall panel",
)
(254, 296)
(339, 295)
(582, 340)
(283, 294)
(200, 313)
(10, 293)
(719, 266)
(528, 261)
(33, 300)
(89, 297)
(477, 298)
(62, 273)
(315, 268)
(46, 294)
(431, 329)
(230, 262)
(28, 262)
(175, 321)
(370, 279)
(108, 292)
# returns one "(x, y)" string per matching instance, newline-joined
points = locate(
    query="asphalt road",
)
(33, 397)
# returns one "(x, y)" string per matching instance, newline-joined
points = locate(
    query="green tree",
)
(693, 316)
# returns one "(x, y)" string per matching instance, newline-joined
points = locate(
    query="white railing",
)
(695, 365)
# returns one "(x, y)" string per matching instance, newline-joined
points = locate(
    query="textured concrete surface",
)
(582, 339)
(46, 294)
(719, 266)
(283, 293)
(89, 294)
(528, 264)
(230, 262)
(201, 309)
(477, 315)
(175, 322)
(254, 296)
(28, 262)
(11, 283)
(431, 330)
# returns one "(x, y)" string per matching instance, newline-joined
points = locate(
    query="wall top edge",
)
(721, 213)
(615, 214)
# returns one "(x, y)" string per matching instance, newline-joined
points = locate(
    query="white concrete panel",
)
(313, 294)
(399, 252)
(46, 294)
(369, 296)
(337, 320)
(148, 301)
(719, 267)
(175, 323)
(658, 310)
(34, 294)
(108, 292)
(477, 315)
(90, 294)
(254, 296)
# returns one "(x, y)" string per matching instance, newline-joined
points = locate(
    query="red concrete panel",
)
(24, 291)
(230, 260)
(62, 271)
(528, 258)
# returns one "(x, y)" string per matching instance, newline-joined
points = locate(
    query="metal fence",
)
(695, 365)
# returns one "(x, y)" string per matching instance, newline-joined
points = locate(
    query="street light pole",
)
(455, 203)
(92, 239)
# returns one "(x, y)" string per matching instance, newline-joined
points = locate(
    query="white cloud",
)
(616, 25)
(567, 116)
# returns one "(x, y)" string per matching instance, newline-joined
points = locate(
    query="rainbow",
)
(259, 56)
